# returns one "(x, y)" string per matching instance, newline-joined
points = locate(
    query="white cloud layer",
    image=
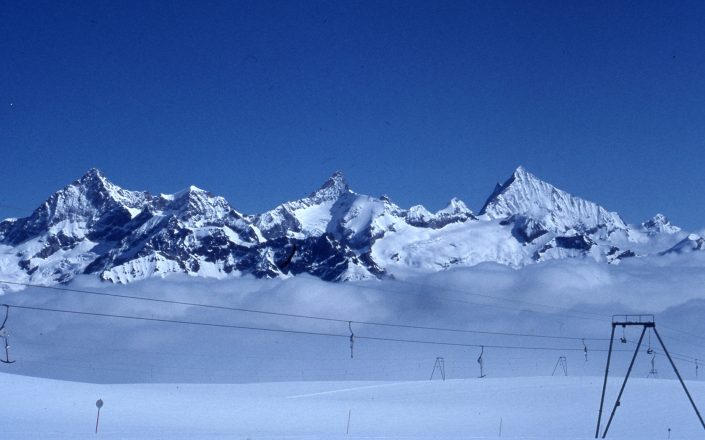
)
(559, 298)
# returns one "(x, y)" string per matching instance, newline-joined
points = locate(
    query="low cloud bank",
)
(567, 298)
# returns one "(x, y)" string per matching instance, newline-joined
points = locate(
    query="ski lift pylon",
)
(4, 336)
(481, 361)
(352, 339)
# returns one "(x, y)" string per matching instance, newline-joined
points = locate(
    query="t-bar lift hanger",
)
(4, 334)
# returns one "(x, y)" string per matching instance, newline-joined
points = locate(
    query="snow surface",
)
(174, 381)
(527, 195)
(448, 269)
(526, 408)
(94, 226)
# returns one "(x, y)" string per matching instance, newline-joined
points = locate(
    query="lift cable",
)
(675, 355)
(682, 357)
(293, 315)
(299, 332)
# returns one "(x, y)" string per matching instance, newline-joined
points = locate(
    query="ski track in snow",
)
(345, 390)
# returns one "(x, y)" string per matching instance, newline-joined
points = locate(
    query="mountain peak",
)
(522, 171)
(333, 188)
(195, 204)
(455, 212)
(93, 226)
(93, 172)
(521, 174)
(520, 177)
(336, 179)
(528, 196)
(188, 191)
(456, 206)
(659, 223)
(93, 176)
(94, 184)
(693, 242)
(97, 189)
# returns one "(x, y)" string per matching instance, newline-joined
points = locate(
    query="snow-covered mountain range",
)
(92, 226)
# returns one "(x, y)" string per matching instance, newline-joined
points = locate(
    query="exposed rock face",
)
(525, 195)
(93, 226)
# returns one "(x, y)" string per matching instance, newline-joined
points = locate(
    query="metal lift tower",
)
(645, 322)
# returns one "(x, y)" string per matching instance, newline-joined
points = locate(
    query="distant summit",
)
(93, 226)
(525, 195)
(659, 224)
(333, 188)
(692, 243)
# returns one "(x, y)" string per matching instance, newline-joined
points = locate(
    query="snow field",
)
(529, 408)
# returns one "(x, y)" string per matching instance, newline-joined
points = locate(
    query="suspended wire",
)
(595, 316)
(674, 355)
(376, 288)
(294, 315)
(299, 332)
(685, 358)
(174, 321)
(359, 286)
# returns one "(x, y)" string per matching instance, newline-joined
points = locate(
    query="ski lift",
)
(352, 339)
(585, 350)
(649, 350)
(653, 372)
(481, 361)
(623, 339)
(439, 365)
(4, 336)
(697, 366)
(563, 363)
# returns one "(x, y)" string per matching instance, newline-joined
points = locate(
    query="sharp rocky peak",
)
(79, 208)
(526, 195)
(194, 203)
(456, 206)
(99, 191)
(659, 223)
(334, 233)
(93, 175)
(455, 212)
(333, 188)
(93, 181)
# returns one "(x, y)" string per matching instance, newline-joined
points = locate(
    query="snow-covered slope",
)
(539, 408)
(691, 243)
(94, 226)
(308, 216)
(191, 231)
(524, 195)
(659, 224)
(456, 212)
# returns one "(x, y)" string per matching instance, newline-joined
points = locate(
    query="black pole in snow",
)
(604, 384)
(626, 378)
(679, 378)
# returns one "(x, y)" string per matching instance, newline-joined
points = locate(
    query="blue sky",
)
(261, 101)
